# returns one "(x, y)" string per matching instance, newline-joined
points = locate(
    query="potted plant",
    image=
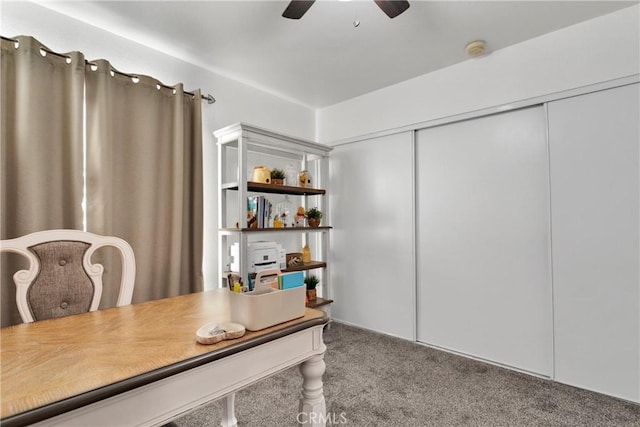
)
(313, 216)
(277, 176)
(311, 282)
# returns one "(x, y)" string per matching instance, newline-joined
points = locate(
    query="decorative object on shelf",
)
(261, 174)
(306, 254)
(302, 178)
(313, 216)
(299, 220)
(294, 259)
(311, 282)
(284, 210)
(277, 176)
(291, 173)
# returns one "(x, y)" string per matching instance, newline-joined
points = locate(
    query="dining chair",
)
(61, 280)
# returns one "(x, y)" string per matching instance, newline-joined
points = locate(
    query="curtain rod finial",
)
(210, 99)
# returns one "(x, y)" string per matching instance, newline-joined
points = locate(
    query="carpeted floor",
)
(377, 380)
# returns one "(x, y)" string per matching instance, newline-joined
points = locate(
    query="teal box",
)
(290, 280)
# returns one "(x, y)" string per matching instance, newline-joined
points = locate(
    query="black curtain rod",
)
(209, 98)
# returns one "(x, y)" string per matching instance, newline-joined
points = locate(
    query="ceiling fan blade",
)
(392, 8)
(297, 8)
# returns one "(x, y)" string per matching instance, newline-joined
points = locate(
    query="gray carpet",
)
(377, 380)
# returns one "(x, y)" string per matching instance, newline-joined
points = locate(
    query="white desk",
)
(140, 365)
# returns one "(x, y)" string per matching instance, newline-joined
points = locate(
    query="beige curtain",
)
(144, 177)
(41, 183)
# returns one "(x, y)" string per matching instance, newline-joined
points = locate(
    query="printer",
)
(260, 256)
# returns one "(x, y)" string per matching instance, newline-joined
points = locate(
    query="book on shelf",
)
(252, 211)
(259, 210)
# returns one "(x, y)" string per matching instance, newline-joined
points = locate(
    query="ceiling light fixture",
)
(476, 48)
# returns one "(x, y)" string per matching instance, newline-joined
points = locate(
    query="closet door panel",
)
(484, 274)
(595, 174)
(371, 202)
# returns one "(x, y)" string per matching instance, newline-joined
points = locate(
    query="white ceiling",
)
(323, 59)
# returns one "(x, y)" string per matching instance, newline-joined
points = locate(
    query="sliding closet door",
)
(595, 187)
(371, 202)
(484, 285)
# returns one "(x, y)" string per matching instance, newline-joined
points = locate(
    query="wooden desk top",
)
(88, 357)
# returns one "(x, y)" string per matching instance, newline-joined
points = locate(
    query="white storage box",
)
(266, 307)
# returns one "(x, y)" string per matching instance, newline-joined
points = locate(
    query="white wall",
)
(594, 51)
(235, 101)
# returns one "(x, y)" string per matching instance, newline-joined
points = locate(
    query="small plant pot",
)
(311, 294)
(313, 222)
(277, 181)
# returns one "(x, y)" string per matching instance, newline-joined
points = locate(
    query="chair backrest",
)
(61, 279)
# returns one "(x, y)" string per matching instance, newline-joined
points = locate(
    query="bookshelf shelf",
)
(319, 302)
(259, 187)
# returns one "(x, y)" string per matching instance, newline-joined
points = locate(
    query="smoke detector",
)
(476, 48)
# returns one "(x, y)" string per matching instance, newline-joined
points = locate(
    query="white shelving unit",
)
(239, 146)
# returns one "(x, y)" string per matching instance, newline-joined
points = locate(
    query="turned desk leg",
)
(313, 411)
(229, 411)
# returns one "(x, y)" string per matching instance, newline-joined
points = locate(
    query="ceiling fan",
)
(392, 8)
